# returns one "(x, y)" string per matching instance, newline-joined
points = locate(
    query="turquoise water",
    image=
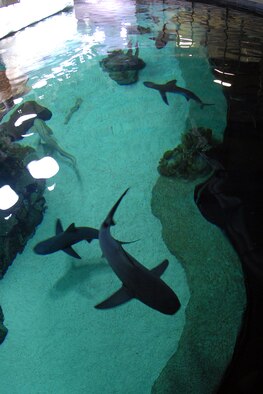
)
(57, 341)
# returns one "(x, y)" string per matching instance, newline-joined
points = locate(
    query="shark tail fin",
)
(109, 221)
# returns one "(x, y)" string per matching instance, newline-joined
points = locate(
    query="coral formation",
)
(186, 160)
(123, 67)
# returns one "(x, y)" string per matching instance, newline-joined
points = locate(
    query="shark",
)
(63, 240)
(137, 281)
(46, 135)
(171, 87)
(162, 39)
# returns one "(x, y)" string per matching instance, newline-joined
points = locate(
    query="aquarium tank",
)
(131, 168)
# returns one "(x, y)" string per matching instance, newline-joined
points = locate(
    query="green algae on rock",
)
(217, 301)
(123, 67)
(22, 119)
(186, 161)
(3, 329)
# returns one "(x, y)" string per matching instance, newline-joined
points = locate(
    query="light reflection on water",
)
(60, 43)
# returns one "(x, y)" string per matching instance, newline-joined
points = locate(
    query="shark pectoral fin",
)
(128, 242)
(119, 297)
(69, 250)
(159, 270)
(59, 228)
(164, 97)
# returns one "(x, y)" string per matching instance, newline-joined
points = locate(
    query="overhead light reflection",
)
(227, 84)
(18, 100)
(44, 168)
(185, 42)
(23, 118)
(51, 187)
(8, 197)
(39, 84)
(99, 36)
(223, 72)
(123, 32)
(27, 135)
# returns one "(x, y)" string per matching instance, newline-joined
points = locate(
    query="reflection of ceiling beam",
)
(4, 3)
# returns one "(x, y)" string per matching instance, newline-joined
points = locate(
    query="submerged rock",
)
(3, 329)
(123, 67)
(18, 223)
(186, 160)
(22, 119)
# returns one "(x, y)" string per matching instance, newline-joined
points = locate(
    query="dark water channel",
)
(232, 197)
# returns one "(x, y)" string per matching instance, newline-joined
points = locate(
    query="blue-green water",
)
(57, 341)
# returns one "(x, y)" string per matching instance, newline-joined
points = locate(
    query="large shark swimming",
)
(137, 281)
(171, 87)
(63, 240)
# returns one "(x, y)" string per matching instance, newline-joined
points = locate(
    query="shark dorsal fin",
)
(71, 228)
(173, 82)
(59, 228)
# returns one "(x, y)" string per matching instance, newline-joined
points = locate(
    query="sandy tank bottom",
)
(58, 342)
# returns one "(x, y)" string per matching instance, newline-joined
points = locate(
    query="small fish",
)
(74, 109)
(163, 37)
(137, 281)
(63, 240)
(171, 87)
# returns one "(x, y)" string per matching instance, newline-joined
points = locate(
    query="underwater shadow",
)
(76, 275)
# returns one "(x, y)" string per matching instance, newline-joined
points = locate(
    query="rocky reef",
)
(186, 160)
(123, 67)
(23, 118)
(18, 223)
